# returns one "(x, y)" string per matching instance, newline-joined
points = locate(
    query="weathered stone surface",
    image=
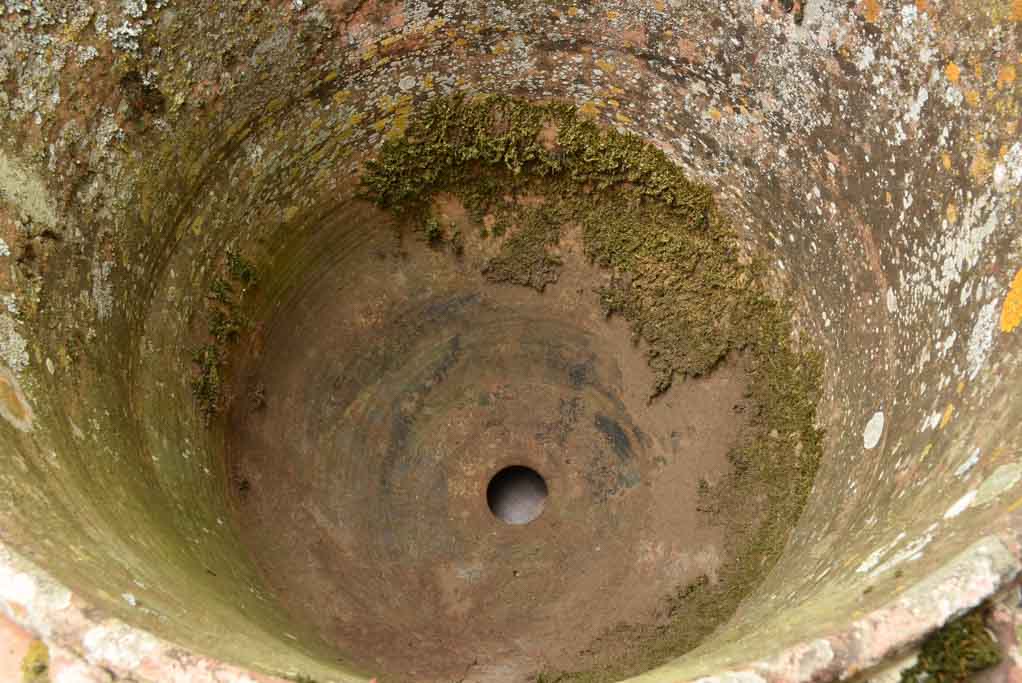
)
(872, 150)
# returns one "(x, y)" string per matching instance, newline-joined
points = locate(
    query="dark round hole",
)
(516, 494)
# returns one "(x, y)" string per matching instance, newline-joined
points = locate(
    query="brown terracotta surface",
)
(394, 388)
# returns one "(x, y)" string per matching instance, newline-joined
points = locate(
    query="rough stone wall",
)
(873, 150)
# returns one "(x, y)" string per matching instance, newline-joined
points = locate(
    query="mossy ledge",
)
(681, 277)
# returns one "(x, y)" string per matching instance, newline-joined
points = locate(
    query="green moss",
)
(221, 291)
(225, 325)
(35, 666)
(240, 270)
(524, 171)
(207, 385)
(434, 233)
(960, 649)
(525, 258)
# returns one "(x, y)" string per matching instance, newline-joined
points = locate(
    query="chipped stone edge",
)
(63, 621)
(885, 634)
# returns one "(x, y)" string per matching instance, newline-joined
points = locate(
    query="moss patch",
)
(35, 667)
(225, 324)
(679, 275)
(960, 649)
(525, 258)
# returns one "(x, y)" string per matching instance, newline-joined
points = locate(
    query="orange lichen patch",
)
(714, 113)
(981, 166)
(945, 159)
(871, 10)
(1016, 10)
(1011, 314)
(952, 213)
(613, 15)
(946, 417)
(13, 406)
(1005, 76)
(972, 97)
(922, 5)
(952, 71)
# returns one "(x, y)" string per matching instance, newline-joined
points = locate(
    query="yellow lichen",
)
(952, 71)
(981, 166)
(35, 666)
(952, 213)
(1005, 75)
(871, 10)
(1011, 314)
(946, 418)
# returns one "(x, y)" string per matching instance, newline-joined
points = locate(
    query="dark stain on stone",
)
(581, 374)
(142, 98)
(616, 437)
